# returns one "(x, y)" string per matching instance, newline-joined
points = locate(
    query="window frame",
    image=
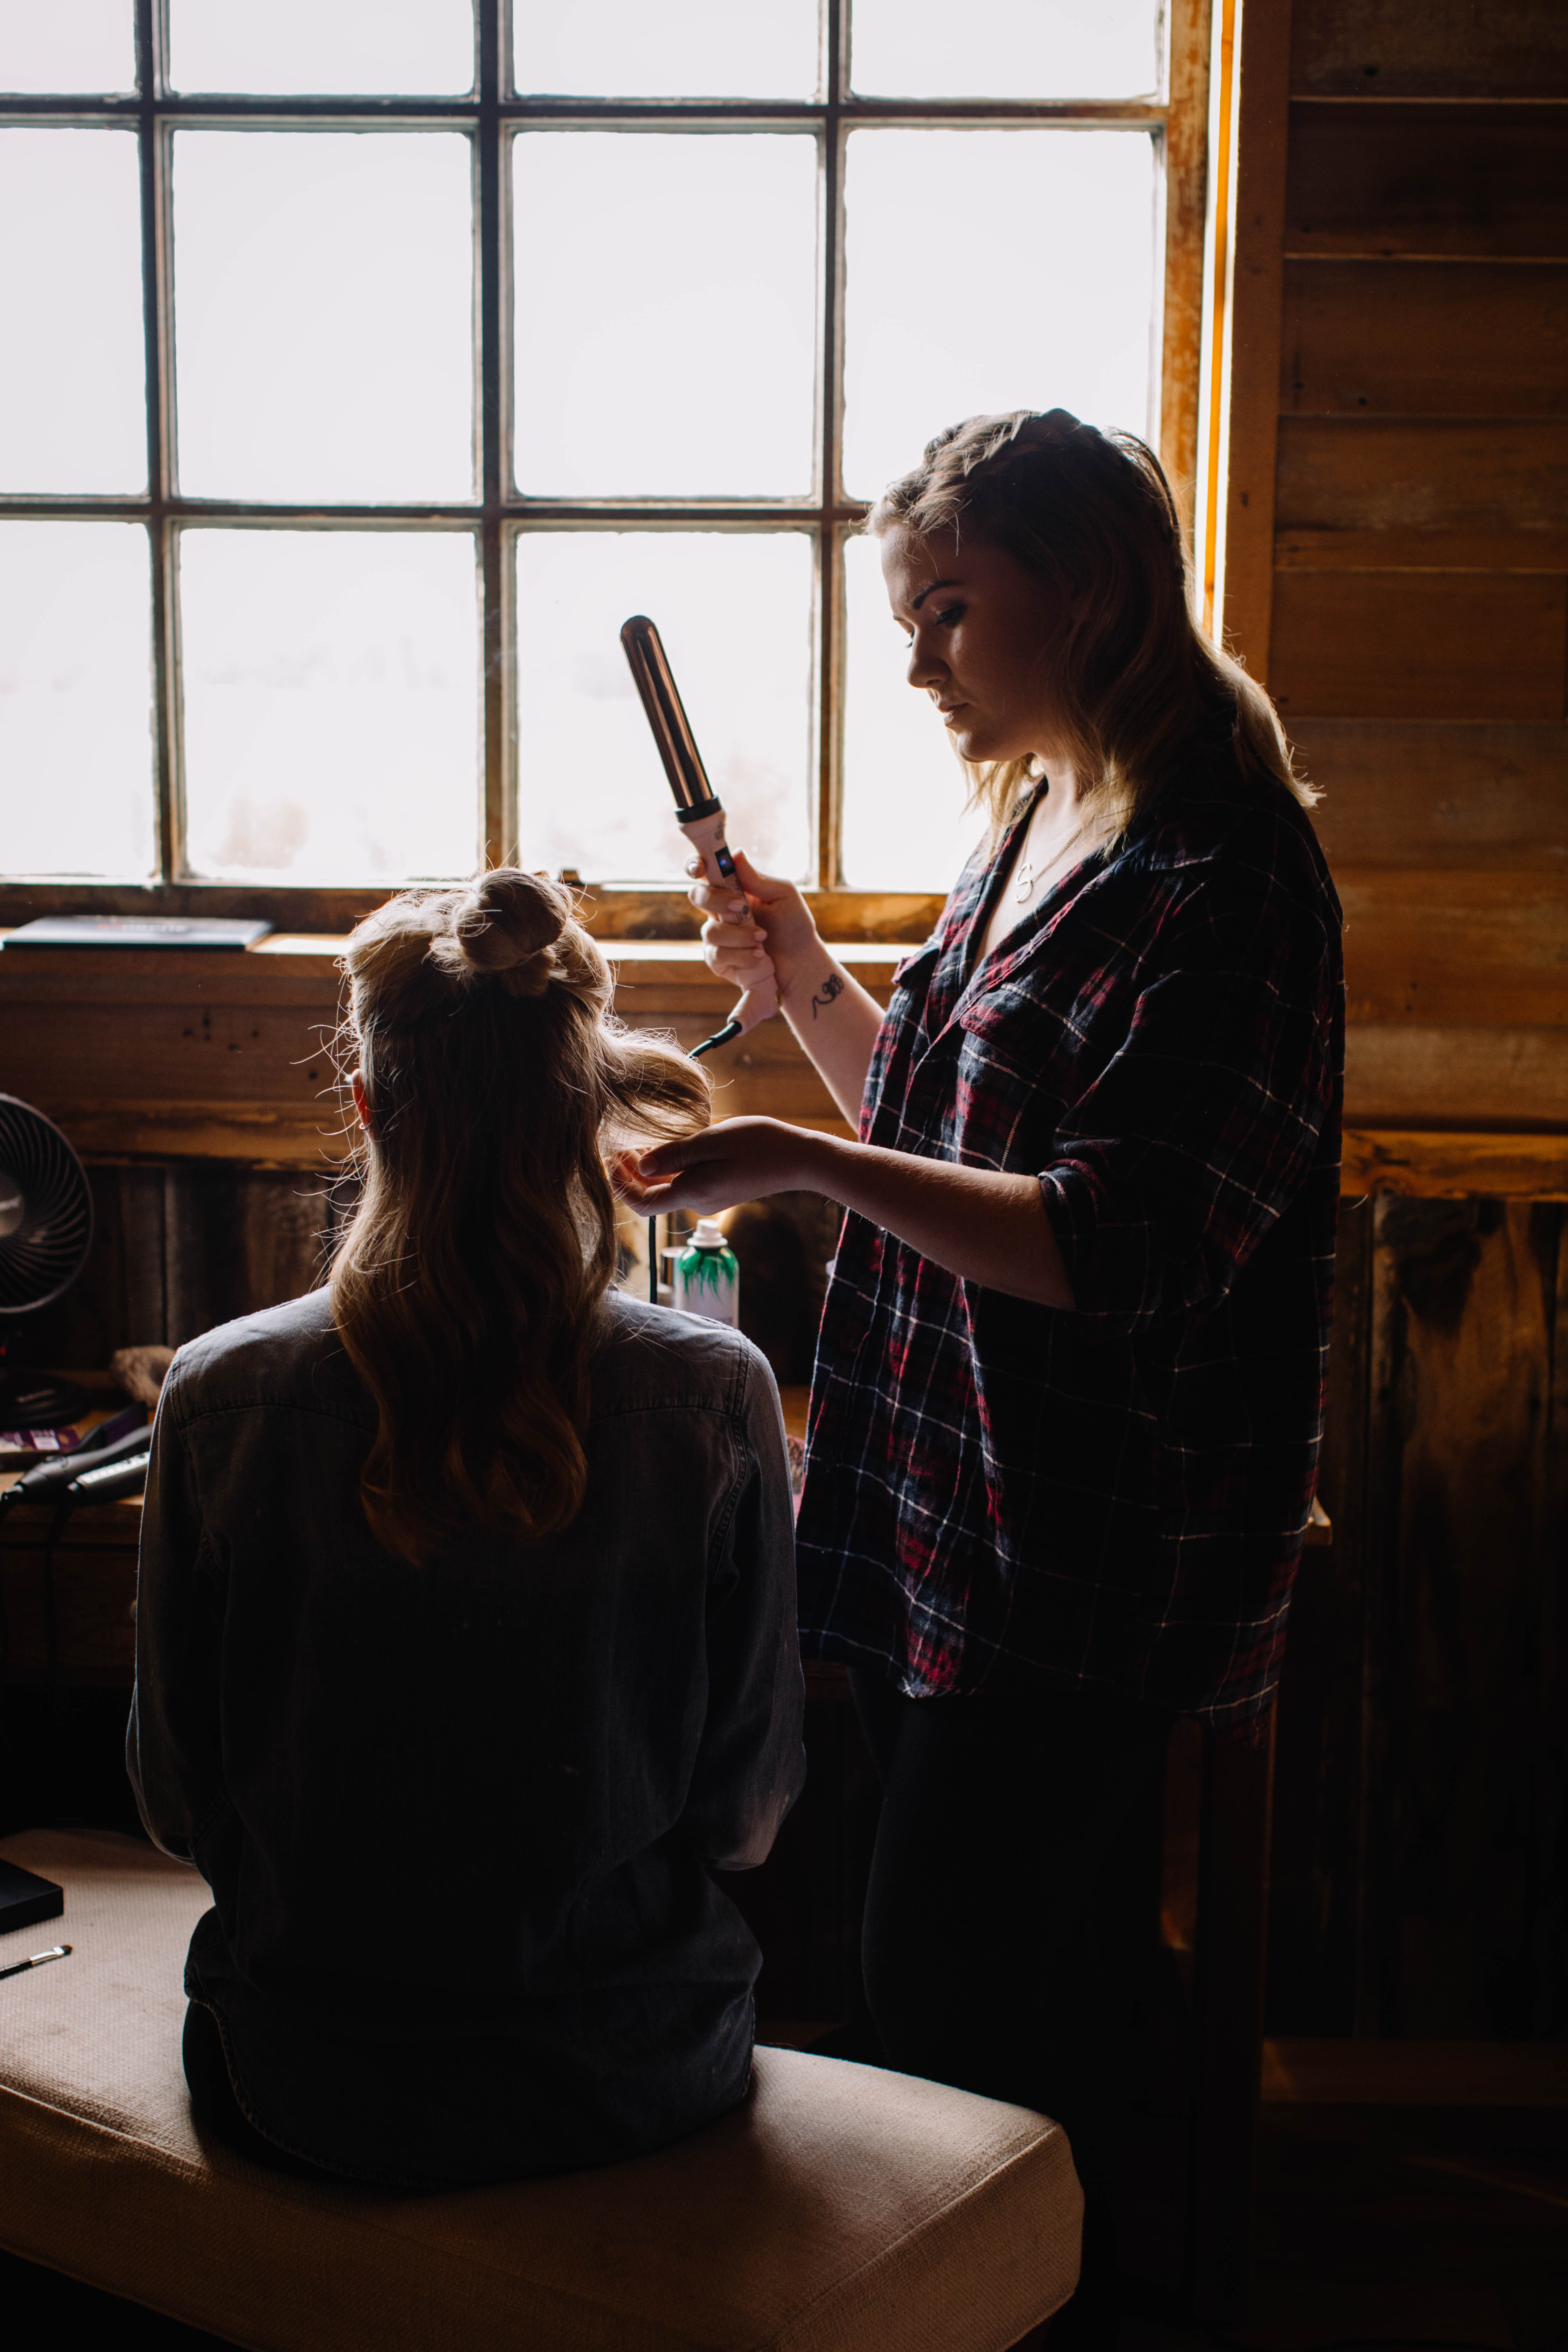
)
(1176, 116)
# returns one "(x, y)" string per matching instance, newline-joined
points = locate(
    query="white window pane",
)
(412, 48)
(324, 315)
(1072, 279)
(665, 336)
(905, 826)
(76, 696)
(330, 704)
(735, 611)
(72, 387)
(1008, 49)
(684, 49)
(67, 44)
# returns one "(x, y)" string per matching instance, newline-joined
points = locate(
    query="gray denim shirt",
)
(458, 1820)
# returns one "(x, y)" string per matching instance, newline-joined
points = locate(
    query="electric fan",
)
(46, 1231)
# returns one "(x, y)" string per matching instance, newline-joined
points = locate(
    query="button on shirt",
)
(998, 1492)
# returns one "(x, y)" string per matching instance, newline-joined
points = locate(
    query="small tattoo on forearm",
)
(831, 987)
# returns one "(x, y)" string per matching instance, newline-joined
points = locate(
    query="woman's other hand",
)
(982, 1224)
(781, 935)
(739, 1159)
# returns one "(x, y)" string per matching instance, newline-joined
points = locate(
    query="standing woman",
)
(1068, 1391)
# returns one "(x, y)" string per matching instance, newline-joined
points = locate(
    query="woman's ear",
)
(362, 1104)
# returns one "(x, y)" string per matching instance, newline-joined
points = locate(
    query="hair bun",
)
(505, 924)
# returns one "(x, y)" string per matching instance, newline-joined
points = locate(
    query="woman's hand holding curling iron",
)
(981, 1225)
(833, 1016)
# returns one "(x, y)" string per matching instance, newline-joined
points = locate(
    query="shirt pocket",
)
(1008, 1091)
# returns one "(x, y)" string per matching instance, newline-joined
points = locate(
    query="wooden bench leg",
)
(1229, 1965)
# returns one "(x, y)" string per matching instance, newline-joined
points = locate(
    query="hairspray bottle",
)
(707, 1278)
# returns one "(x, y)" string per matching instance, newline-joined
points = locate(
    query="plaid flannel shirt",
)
(997, 1492)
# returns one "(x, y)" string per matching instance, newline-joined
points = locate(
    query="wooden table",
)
(70, 1609)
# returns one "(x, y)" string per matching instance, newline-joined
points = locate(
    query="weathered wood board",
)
(1416, 793)
(1443, 48)
(1374, 181)
(1419, 644)
(1422, 1771)
(1428, 493)
(1425, 339)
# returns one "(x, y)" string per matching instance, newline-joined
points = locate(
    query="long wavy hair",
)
(1134, 680)
(468, 1287)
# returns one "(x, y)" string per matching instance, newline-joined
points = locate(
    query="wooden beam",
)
(1189, 30)
(1444, 1167)
(1375, 2073)
(1244, 570)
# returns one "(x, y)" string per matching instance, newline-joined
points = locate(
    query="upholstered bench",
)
(840, 2206)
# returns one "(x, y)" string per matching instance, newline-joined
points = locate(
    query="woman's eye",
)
(953, 612)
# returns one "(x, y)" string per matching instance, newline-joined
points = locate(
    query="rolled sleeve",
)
(1199, 1132)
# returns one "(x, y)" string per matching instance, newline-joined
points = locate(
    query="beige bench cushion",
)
(840, 2206)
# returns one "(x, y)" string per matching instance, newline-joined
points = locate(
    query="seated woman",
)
(465, 1637)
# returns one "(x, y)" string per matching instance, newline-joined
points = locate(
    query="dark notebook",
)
(24, 1900)
(137, 931)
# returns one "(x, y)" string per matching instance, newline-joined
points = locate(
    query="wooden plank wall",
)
(1414, 629)
(1418, 642)
(1420, 1873)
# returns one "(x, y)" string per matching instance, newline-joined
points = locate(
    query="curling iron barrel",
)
(698, 808)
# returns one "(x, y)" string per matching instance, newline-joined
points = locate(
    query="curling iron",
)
(93, 1472)
(698, 809)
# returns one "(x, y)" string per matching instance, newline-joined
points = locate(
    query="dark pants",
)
(1012, 1914)
(215, 2104)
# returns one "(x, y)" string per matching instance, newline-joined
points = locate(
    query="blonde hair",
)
(1134, 678)
(466, 1287)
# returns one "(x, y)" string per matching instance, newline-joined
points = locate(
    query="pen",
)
(55, 1952)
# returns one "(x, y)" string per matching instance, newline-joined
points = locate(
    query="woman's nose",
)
(925, 669)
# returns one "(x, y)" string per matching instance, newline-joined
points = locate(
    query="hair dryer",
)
(697, 806)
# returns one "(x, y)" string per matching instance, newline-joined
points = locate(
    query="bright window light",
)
(1007, 48)
(73, 387)
(76, 699)
(683, 48)
(66, 45)
(906, 826)
(286, 47)
(331, 682)
(324, 315)
(734, 610)
(665, 341)
(1073, 276)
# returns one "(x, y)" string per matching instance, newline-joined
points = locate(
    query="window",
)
(372, 360)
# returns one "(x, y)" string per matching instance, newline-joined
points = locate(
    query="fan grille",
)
(48, 1249)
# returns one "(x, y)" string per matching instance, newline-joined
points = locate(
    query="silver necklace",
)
(1024, 880)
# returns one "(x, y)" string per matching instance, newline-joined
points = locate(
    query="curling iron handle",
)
(706, 836)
